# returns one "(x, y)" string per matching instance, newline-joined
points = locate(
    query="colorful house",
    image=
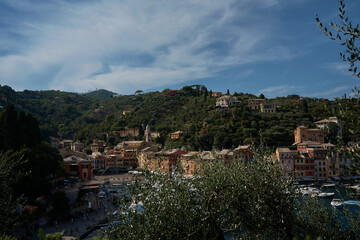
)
(78, 167)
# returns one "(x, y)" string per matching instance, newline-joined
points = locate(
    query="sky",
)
(272, 47)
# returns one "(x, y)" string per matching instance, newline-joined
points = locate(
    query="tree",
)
(304, 106)
(205, 94)
(332, 132)
(60, 204)
(250, 201)
(138, 92)
(349, 35)
(9, 204)
(262, 96)
(20, 135)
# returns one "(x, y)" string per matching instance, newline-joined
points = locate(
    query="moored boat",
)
(326, 195)
(336, 202)
(328, 185)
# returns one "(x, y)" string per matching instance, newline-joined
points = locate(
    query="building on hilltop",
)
(155, 135)
(261, 106)
(216, 94)
(226, 101)
(176, 135)
(267, 108)
(325, 123)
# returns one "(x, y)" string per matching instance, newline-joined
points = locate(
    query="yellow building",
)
(261, 106)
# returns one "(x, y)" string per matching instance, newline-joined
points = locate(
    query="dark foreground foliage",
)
(249, 201)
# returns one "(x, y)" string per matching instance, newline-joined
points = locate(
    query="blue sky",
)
(272, 47)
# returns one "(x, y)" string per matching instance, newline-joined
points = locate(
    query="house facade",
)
(261, 106)
(79, 167)
(226, 101)
(303, 134)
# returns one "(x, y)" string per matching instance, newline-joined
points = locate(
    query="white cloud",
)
(96, 44)
(339, 67)
(281, 90)
(340, 89)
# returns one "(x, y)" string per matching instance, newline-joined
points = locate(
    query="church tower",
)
(147, 134)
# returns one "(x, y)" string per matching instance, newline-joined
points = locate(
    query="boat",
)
(336, 202)
(326, 195)
(328, 185)
(310, 191)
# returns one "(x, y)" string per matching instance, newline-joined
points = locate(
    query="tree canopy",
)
(250, 201)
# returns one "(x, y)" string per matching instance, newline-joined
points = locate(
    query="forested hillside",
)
(191, 110)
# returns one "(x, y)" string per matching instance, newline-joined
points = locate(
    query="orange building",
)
(129, 158)
(169, 160)
(188, 162)
(303, 134)
(176, 135)
(78, 167)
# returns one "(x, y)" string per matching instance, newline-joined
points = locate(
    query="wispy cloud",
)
(339, 67)
(281, 90)
(127, 45)
(341, 89)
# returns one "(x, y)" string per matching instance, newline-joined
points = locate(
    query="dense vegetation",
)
(101, 93)
(27, 164)
(192, 110)
(249, 201)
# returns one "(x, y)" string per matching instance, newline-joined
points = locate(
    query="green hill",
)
(100, 93)
(191, 110)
